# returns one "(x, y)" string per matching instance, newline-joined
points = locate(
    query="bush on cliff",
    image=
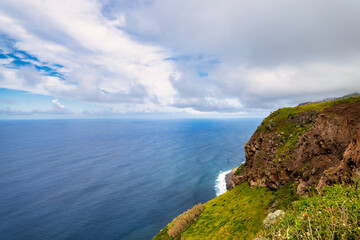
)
(333, 215)
(183, 221)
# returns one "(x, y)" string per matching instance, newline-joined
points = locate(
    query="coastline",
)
(227, 180)
(221, 183)
(228, 177)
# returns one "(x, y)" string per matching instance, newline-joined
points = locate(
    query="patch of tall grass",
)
(182, 222)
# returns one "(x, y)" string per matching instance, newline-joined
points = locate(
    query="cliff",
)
(314, 145)
(300, 178)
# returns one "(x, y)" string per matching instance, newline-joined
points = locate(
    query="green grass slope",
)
(240, 212)
(237, 214)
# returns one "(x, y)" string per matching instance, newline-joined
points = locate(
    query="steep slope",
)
(291, 152)
(237, 214)
(315, 145)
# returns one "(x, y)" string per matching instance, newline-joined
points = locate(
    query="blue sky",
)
(160, 58)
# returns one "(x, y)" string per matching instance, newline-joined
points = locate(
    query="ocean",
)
(111, 179)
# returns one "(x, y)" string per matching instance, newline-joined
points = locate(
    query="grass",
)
(239, 170)
(277, 120)
(163, 235)
(182, 222)
(333, 215)
(237, 214)
(282, 122)
(290, 133)
(286, 195)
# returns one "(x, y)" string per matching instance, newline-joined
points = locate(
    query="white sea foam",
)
(220, 183)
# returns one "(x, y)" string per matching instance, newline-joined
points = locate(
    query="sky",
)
(174, 58)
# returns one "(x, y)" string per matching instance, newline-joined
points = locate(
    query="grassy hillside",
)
(240, 212)
(237, 214)
(335, 214)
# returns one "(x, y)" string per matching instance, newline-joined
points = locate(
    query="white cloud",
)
(101, 62)
(210, 104)
(29, 79)
(57, 109)
(57, 105)
(270, 54)
(183, 55)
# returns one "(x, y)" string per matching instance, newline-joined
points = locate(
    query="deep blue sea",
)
(110, 179)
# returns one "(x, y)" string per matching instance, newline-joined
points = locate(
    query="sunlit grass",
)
(237, 214)
(334, 215)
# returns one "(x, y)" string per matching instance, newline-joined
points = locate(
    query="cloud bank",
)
(57, 109)
(175, 56)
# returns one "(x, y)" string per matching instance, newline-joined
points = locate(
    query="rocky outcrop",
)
(315, 145)
(348, 169)
(228, 178)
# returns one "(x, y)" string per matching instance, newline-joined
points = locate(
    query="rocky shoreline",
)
(228, 178)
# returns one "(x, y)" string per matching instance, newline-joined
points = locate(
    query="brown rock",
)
(328, 153)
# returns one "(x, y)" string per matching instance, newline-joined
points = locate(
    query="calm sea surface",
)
(110, 179)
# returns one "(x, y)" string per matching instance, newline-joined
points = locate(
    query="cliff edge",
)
(314, 145)
(274, 195)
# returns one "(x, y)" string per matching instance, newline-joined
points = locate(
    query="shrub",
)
(335, 215)
(272, 218)
(182, 222)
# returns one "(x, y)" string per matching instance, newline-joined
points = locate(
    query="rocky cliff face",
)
(315, 145)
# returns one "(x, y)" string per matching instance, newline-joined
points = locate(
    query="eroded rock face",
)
(327, 153)
(348, 169)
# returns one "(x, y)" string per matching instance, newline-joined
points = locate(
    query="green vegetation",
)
(333, 215)
(237, 214)
(239, 170)
(289, 131)
(292, 122)
(306, 166)
(286, 195)
(182, 222)
(163, 235)
(277, 121)
(240, 212)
